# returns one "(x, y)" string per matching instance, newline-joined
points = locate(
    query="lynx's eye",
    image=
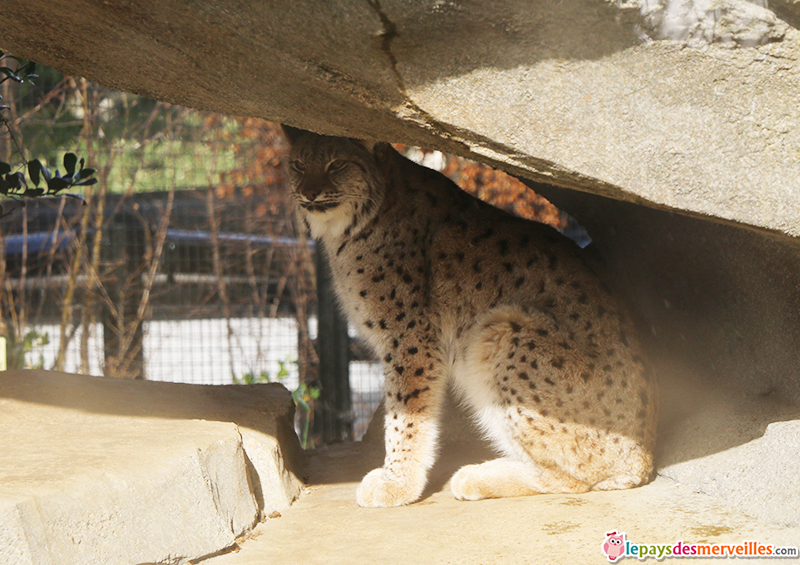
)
(336, 166)
(297, 165)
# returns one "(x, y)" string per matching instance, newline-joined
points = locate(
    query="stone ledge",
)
(744, 450)
(326, 525)
(129, 472)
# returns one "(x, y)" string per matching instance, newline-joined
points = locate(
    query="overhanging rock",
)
(128, 472)
(572, 93)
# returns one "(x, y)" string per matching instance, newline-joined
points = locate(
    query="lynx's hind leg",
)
(504, 477)
(535, 396)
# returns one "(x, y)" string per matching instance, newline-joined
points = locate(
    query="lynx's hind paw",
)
(503, 478)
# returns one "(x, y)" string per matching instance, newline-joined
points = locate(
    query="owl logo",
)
(614, 546)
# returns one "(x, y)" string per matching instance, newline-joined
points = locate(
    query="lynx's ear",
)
(381, 151)
(377, 148)
(292, 134)
(368, 145)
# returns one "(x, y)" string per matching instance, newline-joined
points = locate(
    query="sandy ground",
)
(326, 525)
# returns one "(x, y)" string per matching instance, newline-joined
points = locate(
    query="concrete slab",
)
(130, 472)
(326, 526)
(120, 472)
(745, 450)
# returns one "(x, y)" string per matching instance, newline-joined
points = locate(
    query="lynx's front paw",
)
(379, 489)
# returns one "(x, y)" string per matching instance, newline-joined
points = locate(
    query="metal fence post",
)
(334, 358)
(125, 247)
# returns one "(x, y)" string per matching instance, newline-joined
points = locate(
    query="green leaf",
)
(87, 172)
(57, 184)
(15, 180)
(29, 69)
(34, 167)
(87, 182)
(297, 394)
(5, 168)
(70, 160)
(10, 73)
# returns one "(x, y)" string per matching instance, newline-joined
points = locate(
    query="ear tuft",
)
(381, 150)
(368, 145)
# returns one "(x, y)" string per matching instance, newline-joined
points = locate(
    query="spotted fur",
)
(447, 289)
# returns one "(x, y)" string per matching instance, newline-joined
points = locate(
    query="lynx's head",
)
(336, 182)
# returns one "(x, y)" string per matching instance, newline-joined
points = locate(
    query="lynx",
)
(448, 289)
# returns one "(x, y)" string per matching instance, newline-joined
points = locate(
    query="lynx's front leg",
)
(414, 393)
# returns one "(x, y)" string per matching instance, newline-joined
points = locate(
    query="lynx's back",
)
(447, 289)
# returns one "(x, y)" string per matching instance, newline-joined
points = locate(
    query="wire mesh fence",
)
(186, 288)
(185, 264)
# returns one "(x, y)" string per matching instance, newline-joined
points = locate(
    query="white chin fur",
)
(331, 224)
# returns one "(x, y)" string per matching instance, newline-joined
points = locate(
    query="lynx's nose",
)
(310, 193)
(312, 187)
